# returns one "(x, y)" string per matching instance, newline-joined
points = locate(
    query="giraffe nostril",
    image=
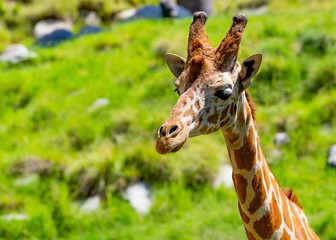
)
(172, 129)
(160, 131)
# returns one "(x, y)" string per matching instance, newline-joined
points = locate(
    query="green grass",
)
(45, 116)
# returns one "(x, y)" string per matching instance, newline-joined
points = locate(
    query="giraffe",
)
(213, 95)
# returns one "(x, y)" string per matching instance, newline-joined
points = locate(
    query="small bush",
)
(315, 43)
(321, 77)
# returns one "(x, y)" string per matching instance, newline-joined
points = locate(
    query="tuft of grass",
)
(46, 114)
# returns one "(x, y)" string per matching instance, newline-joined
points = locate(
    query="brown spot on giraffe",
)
(210, 130)
(213, 119)
(240, 186)
(241, 118)
(233, 110)
(183, 103)
(286, 212)
(300, 232)
(224, 113)
(197, 105)
(249, 235)
(245, 157)
(259, 191)
(270, 222)
(232, 137)
(189, 112)
(248, 113)
(204, 129)
(243, 215)
(307, 227)
(191, 97)
(285, 235)
(276, 212)
(224, 122)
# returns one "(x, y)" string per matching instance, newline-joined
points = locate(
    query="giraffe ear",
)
(175, 63)
(249, 68)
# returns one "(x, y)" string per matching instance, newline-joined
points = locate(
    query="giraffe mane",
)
(292, 197)
(251, 104)
(288, 192)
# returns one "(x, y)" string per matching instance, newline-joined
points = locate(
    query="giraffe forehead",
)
(220, 79)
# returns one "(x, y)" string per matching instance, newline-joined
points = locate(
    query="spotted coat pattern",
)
(266, 211)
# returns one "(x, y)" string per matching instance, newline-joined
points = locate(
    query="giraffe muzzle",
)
(171, 138)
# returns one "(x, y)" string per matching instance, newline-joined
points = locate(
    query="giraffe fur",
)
(213, 96)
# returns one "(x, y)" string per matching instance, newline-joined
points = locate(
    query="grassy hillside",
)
(48, 123)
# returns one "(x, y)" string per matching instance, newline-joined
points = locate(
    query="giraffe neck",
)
(265, 210)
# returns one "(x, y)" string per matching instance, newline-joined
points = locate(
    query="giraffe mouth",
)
(164, 148)
(177, 148)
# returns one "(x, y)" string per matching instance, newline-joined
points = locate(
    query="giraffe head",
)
(209, 83)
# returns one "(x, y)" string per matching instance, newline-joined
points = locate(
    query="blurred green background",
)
(57, 149)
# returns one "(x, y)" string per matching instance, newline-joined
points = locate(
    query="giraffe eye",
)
(224, 94)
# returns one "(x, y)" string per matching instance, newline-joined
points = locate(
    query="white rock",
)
(281, 138)
(332, 150)
(14, 216)
(92, 19)
(91, 204)
(332, 160)
(139, 197)
(48, 26)
(99, 103)
(16, 53)
(26, 181)
(332, 156)
(125, 14)
(224, 177)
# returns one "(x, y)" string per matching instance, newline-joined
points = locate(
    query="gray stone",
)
(16, 53)
(332, 161)
(92, 19)
(91, 204)
(138, 195)
(332, 150)
(197, 5)
(126, 14)
(332, 156)
(281, 138)
(154, 12)
(169, 8)
(14, 217)
(224, 177)
(45, 27)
